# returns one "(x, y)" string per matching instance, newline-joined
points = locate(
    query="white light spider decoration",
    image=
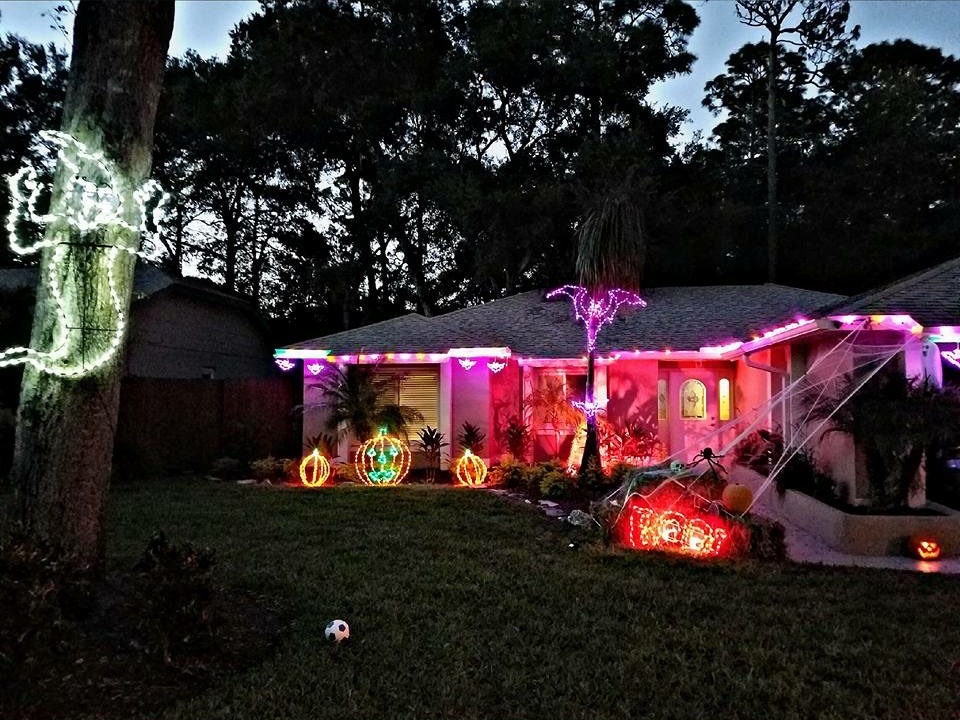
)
(94, 198)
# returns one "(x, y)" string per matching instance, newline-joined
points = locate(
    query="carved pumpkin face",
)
(471, 470)
(924, 547)
(382, 460)
(314, 469)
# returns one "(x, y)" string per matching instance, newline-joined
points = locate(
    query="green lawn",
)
(463, 605)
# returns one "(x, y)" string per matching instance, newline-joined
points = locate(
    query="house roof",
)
(931, 297)
(678, 318)
(148, 280)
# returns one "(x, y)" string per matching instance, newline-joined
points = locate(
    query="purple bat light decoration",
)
(590, 408)
(595, 312)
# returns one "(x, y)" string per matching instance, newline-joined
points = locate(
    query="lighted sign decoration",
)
(496, 366)
(595, 312)
(383, 460)
(94, 198)
(284, 364)
(471, 470)
(315, 368)
(320, 471)
(466, 363)
(686, 532)
(924, 548)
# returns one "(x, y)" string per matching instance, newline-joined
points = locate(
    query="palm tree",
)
(611, 255)
(355, 398)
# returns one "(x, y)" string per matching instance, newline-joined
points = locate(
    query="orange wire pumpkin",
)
(382, 460)
(321, 469)
(471, 469)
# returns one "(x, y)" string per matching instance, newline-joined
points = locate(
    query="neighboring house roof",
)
(931, 297)
(148, 280)
(678, 318)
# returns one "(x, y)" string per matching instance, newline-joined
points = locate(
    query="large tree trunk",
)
(66, 425)
(772, 240)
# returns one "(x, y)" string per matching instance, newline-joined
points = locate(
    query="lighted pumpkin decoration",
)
(737, 498)
(471, 469)
(924, 547)
(314, 469)
(382, 460)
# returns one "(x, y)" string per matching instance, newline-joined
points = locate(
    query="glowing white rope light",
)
(94, 198)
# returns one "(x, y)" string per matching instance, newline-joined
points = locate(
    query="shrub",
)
(512, 472)
(41, 591)
(517, 435)
(344, 472)
(619, 474)
(431, 442)
(534, 474)
(758, 537)
(470, 438)
(759, 450)
(268, 468)
(801, 473)
(227, 468)
(592, 477)
(557, 485)
(177, 594)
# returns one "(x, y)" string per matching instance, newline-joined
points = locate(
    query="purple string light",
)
(595, 312)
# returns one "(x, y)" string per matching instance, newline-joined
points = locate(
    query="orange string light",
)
(383, 460)
(471, 470)
(321, 469)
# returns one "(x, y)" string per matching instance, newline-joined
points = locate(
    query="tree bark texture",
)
(66, 425)
(591, 445)
(772, 239)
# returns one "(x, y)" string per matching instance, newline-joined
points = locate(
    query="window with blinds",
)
(418, 387)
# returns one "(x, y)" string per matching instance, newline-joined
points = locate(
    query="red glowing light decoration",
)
(685, 531)
(471, 470)
(383, 460)
(320, 472)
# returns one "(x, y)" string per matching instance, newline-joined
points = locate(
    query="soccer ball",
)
(337, 631)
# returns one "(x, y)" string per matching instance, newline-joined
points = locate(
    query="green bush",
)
(268, 468)
(535, 473)
(758, 537)
(592, 477)
(512, 472)
(344, 472)
(557, 485)
(227, 468)
(176, 590)
(42, 590)
(801, 473)
(619, 474)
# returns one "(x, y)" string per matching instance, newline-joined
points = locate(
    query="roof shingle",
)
(678, 318)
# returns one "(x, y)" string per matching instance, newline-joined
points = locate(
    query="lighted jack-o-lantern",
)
(471, 469)
(737, 498)
(382, 460)
(314, 469)
(924, 547)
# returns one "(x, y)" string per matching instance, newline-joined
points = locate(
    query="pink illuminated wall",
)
(470, 402)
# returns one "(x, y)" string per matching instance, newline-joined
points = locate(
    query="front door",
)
(692, 410)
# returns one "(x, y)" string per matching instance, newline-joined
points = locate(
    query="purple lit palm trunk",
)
(594, 310)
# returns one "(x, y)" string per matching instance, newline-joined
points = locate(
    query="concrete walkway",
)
(803, 547)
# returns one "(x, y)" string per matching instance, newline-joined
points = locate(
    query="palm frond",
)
(612, 245)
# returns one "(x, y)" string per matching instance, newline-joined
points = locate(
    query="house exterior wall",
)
(181, 336)
(505, 403)
(471, 402)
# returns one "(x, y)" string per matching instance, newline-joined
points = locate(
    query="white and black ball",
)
(337, 631)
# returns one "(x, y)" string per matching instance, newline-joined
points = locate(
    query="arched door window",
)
(693, 400)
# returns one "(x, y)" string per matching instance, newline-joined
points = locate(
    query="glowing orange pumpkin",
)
(382, 460)
(737, 498)
(471, 469)
(924, 547)
(320, 472)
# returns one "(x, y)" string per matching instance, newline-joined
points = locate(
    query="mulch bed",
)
(110, 667)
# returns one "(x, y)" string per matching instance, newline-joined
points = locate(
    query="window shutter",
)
(420, 389)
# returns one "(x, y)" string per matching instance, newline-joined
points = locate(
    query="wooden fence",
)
(176, 425)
